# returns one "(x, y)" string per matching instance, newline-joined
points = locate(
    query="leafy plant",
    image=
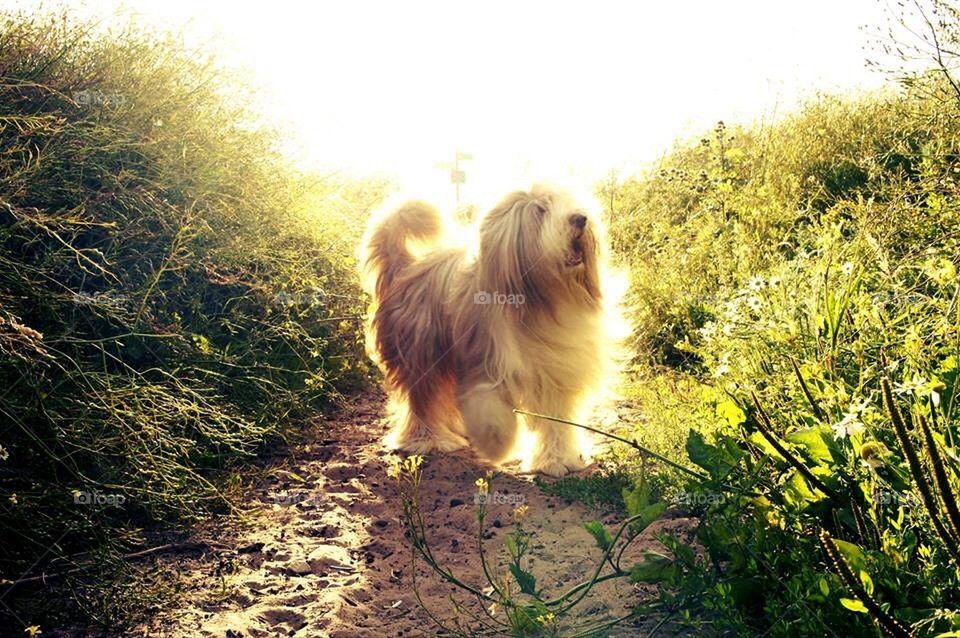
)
(515, 604)
(168, 302)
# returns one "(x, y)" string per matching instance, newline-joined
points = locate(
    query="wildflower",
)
(709, 330)
(546, 619)
(872, 453)
(413, 463)
(756, 283)
(4, 454)
(858, 408)
(33, 630)
(721, 370)
(850, 425)
(393, 471)
(753, 303)
(12, 498)
(916, 384)
(483, 487)
(519, 513)
(847, 268)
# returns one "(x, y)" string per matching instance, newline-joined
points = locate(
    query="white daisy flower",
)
(850, 425)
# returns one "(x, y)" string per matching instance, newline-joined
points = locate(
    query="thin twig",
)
(144, 553)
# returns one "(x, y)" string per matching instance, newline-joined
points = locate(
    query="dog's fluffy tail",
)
(386, 250)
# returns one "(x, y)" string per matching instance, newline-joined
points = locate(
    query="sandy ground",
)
(324, 553)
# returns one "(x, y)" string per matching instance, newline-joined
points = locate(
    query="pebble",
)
(299, 567)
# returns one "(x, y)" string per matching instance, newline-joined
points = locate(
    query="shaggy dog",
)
(464, 339)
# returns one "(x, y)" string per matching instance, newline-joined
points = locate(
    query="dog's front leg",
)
(559, 448)
(488, 419)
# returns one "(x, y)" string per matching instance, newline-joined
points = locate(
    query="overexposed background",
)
(533, 89)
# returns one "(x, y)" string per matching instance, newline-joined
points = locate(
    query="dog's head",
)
(542, 245)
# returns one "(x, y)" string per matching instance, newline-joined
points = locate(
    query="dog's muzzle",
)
(575, 252)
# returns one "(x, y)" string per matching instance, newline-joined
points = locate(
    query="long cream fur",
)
(463, 340)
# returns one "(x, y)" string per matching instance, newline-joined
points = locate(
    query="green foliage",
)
(747, 200)
(600, 489)
(172, 293)
(821, 257)
(514, 604)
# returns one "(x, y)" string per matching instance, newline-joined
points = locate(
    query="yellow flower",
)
(13, 499)
(33, 630)
(546, 619)
(393, 471)
(519, 512)
(483, 487)
(413, 463)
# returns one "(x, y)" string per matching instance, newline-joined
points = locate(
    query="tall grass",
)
(803, 277)
(172, 295)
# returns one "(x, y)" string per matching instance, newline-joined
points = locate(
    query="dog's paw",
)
(559, 467)
(556, 469)
(426, 445)
(449, 443)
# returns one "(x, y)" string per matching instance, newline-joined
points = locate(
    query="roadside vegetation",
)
(801, 282)
(173, 296)
(796, 295)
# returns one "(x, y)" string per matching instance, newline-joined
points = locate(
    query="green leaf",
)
(526, 580)
(798, 493)
(699, 451)
(718, 460)
(637, 502)
(512, 548)
(812, 439)
(853, 555)
(761, 442)
(654, 568)
(731, 413)
(600, 534)
(853, 605)
(867, 582)
(824, 587)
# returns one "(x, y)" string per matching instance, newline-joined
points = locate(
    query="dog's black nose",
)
(580, 221)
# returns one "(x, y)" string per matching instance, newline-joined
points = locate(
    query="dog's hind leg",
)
(559, 448)
(488, 420)
(426, 419)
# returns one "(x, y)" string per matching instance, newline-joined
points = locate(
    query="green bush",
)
(172, 293)
(793, 269)
(714, 214)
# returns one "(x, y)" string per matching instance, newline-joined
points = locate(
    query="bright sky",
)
(532, 89)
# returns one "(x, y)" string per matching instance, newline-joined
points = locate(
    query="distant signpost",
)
(457, 175)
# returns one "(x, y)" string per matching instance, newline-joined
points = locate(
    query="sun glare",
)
(530, 91)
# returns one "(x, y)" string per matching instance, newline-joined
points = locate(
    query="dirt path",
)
(325, 555)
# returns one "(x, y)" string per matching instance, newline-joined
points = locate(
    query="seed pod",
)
(890, 625)
(940, 477)
(916, 470)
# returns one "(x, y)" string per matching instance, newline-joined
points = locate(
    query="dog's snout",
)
(578, 220)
